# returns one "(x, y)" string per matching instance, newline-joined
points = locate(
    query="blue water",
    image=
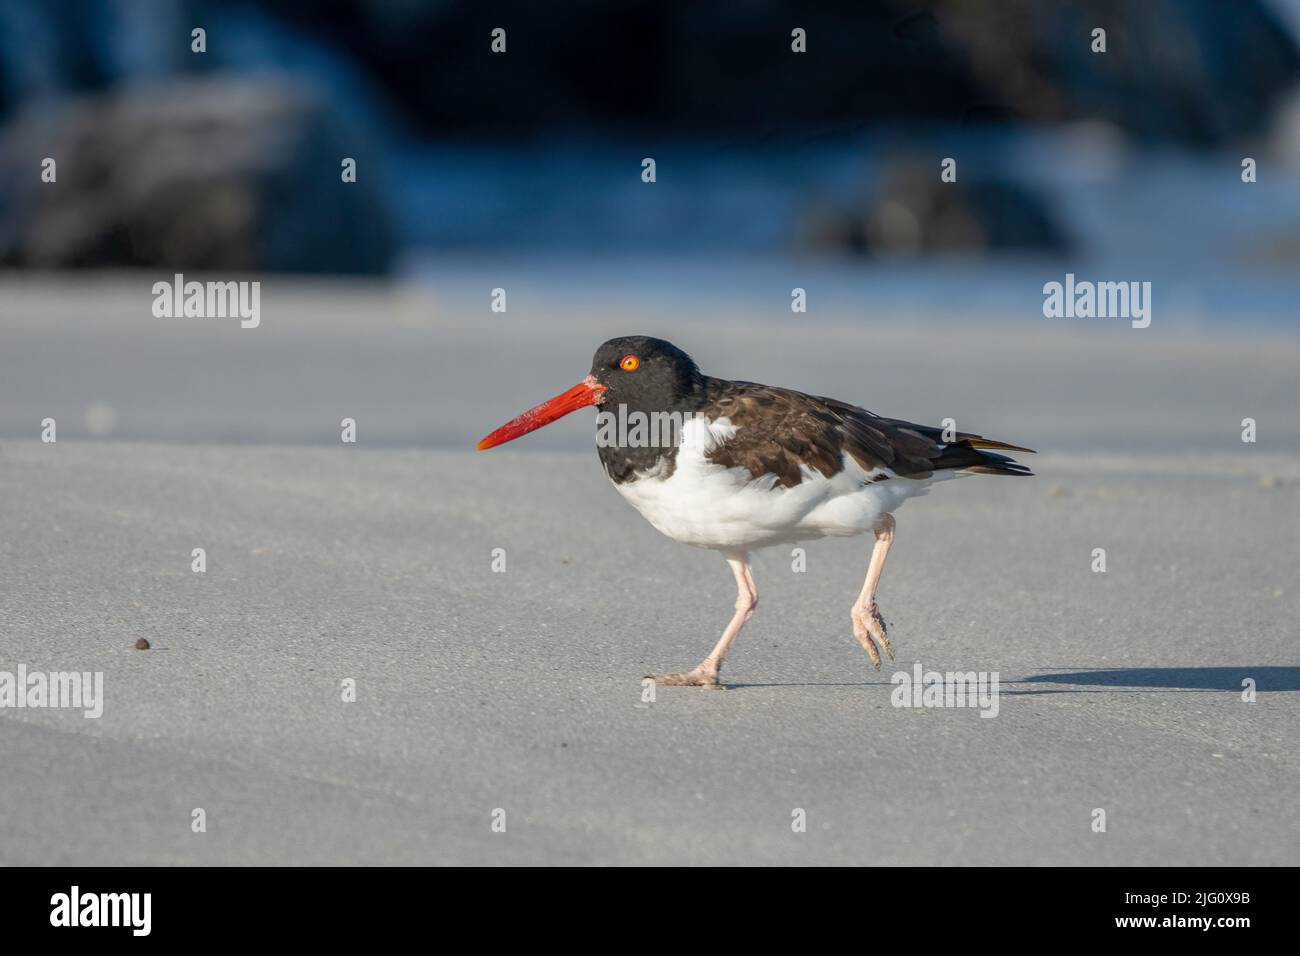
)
(722, 221)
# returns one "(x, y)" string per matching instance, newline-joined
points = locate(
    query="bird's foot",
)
(700, 677)
(868, 624)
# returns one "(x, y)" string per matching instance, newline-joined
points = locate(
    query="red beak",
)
(587, 392)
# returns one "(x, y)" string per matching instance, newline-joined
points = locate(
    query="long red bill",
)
(587, 392)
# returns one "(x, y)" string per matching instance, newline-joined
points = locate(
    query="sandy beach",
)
(479, 691)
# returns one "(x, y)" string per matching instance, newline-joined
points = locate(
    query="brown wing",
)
(780, 430)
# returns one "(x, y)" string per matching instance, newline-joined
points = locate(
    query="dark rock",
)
(915, 213)
(1193, 71)
(1190, 71)
(215, 174)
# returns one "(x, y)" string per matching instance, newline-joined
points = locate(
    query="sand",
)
(519, 691)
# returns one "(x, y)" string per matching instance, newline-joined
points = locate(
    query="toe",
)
(876, 626)
(882, 638)
(668, 680)
(863, 635)
(687, 679)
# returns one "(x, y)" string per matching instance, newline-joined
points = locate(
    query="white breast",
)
(709, 506)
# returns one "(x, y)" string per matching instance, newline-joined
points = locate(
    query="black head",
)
(638, 372)
(645, 373)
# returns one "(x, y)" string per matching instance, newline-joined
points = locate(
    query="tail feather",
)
(925, 449)
(975, 441)
(968, 453)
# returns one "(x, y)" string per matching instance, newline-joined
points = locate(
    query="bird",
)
(734, 466)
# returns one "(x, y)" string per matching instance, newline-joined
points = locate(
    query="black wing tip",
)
(992, 463)
(976, 441)
(1016, 471)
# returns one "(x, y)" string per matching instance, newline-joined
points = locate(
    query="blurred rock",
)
(204, 174)
(914, 213)
(1193, 71)
(1199, 72)
(1202, 72)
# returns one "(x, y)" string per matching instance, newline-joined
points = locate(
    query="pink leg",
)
(867, 623)
(706, 673)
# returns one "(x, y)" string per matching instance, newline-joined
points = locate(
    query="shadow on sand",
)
(1165, 679)
(1134, 680)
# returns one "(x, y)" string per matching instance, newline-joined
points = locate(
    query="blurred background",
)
(522, 170)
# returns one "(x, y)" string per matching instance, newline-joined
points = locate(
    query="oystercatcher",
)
(735, 466)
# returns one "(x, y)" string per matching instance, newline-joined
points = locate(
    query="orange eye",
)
(630, 363)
